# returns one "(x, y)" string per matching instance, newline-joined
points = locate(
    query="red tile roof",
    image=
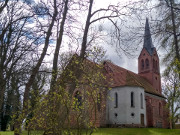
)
(118, 76)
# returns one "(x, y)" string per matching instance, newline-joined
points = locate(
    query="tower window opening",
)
(142, 64)
(147, 63)
(154, 64)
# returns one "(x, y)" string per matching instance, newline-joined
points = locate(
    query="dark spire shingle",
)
(147, 39)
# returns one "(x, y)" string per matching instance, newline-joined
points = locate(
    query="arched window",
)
(142, 64)
(147, 63)
(99, 102)
(154, 67)
(78, 99)
(160, 109)
(116, 100)
(132, 99)
(141, 101)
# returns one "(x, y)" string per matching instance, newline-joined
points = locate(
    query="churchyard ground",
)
(120, 131)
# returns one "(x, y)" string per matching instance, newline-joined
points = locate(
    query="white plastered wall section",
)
(123, 113)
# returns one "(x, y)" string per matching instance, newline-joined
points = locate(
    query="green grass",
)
(121, 131)
(136, 131)
(7, 133)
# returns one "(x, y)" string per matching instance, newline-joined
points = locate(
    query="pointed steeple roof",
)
(147, 39)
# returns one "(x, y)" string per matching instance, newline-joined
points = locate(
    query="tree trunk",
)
(175, 35)
(58, 45)
(2, 91)
(78, 72)
(3, 6)
(84, 42)
(174, 30)
(33, 75)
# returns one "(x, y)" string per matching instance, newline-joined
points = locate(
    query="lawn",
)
(6, 133)
(123, 131)
(136, 131)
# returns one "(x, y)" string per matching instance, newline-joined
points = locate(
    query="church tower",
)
(148, 61)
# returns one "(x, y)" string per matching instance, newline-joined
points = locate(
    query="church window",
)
(78, 99)
(141, 101)
(154, 64)
(116, 100)
(99, 102)
(147, 63)
(132, 99)
(160, 109)
(142, 64)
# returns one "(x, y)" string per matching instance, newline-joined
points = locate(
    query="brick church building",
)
(135, 99)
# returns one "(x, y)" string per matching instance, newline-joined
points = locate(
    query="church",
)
(136, 100)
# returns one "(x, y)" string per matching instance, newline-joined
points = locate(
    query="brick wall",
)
(157, 114)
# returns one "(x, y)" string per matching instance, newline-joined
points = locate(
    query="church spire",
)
(147, 39)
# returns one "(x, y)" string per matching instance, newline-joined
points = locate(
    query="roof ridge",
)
(121, 67)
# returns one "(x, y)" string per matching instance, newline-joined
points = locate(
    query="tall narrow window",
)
(78, 99)
(159, 109)
(132, 99)
(147, 63)
(154, 64)
(116, 100)
(99, 102)
(142, 64)
(157, 66)
(141, 101)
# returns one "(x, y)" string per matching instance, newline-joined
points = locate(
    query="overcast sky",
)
(130, 63)
(123, 61)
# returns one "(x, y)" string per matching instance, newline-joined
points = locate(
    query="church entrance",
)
(142, 119)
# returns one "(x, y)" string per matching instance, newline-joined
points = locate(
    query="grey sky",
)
(137, 24)
(132, 25)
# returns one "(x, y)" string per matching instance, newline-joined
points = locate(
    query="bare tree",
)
(58, 45)
(3, 5)
(168, 29)
(16, 43)
(172, 94)
(36, 69)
